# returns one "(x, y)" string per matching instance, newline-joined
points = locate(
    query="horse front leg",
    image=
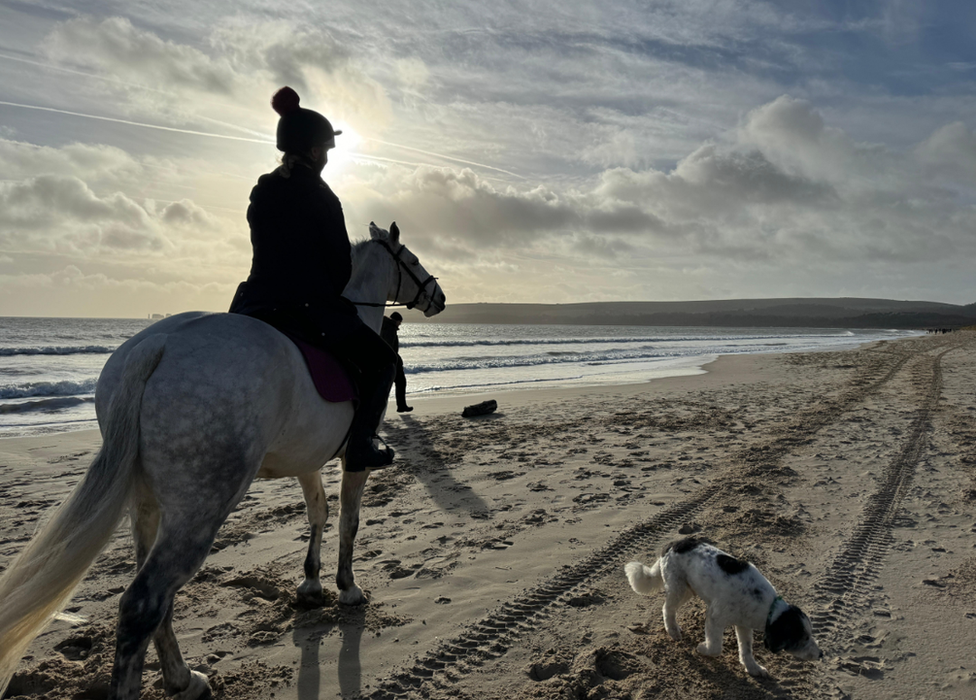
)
(310, 591)
(350, 499)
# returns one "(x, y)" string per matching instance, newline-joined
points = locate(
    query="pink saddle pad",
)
(329, 376)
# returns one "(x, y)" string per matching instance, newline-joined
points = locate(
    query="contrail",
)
(264, 141)
(363, 156)
(48, 66)
(72, 72)
(132, 123)
(126, 83)
(441, 155)
(380, 159)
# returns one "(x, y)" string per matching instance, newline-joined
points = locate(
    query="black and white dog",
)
(735, 593)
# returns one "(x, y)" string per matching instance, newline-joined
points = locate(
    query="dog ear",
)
(784, 632)
(772, 642)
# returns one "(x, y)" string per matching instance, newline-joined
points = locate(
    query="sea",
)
(49, 366)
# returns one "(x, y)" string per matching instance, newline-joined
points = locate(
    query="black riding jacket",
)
(301, 264)
(298, 233)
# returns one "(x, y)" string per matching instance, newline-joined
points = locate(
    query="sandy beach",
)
(493, 550)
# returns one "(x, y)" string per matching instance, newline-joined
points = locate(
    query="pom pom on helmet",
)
(285, 101)
(300, 129)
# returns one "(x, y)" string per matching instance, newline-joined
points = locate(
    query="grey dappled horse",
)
(192, 409)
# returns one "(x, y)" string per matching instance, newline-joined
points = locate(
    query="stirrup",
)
(372, 457)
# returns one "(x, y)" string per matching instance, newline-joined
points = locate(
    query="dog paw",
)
(675, 633)
(705, 651)
(757, 670)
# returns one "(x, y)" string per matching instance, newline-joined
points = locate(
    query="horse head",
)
(413, 286)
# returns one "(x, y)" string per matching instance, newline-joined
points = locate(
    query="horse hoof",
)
(310, 601)
(198, 689)
(352, 596)
(310, 595)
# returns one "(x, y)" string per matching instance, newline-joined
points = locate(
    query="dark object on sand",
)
(480, 409)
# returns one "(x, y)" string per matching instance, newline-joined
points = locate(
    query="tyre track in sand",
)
(847, 582)
(492, 636)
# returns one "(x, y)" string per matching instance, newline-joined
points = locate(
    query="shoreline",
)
(721, 366)
(717, 370)
(41, 417)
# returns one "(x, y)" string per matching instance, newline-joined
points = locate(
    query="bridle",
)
(401, 268)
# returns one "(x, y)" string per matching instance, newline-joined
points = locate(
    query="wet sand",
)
(493, 550)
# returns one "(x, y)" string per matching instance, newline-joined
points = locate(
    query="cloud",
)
(61, 215)
(115, 44)
(787, 188)
(75, 290)
(99, 164)
(464, 216)
(950, 152)
(186, 213)
(412, 73)
(792, 134)
(52, 210)
(229, 79)
(73, 276)
(606, 247)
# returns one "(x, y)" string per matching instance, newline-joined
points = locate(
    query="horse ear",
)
(374, 230)
(394, 233)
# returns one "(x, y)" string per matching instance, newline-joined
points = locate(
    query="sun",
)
(347, 144)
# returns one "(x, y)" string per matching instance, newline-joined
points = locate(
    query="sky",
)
(544, 152)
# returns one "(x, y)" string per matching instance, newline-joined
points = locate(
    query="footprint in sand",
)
(396, 571)
(75, 648)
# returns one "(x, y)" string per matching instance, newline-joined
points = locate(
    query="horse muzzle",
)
(435, 304)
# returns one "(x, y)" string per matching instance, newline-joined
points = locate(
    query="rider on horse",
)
(301, 264)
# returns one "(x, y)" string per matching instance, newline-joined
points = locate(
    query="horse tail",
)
(40, 581)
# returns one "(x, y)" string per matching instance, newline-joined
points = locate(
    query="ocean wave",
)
(56, 404)
(58, 350)
(513, 361)
(424, 342)
(414, 343)
(498, 383)
(645, 351)
(63, 388)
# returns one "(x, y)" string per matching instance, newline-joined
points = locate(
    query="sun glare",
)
(347, 144)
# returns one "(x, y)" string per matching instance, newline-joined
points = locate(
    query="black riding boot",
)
(361, 451)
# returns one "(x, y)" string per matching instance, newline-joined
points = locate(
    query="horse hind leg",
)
(146, 608)
(350, 499)
(177, 676)
(310, 591)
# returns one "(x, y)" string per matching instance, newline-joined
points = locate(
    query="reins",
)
(401, 267)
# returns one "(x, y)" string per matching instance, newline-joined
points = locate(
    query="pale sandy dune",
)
(493, 550)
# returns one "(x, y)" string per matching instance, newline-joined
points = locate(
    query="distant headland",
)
(844, 312)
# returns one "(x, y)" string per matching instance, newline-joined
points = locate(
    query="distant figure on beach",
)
(388, 332)
(302, 262)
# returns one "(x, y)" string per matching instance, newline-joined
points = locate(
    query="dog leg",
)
(714, 629)
(677, 594)
(744, 636)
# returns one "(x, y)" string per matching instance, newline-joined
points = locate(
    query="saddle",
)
(330, 377)
(334, 380)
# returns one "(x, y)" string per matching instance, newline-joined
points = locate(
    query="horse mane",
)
(360, 245)
(358, 249)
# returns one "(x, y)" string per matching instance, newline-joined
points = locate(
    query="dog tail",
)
(644, 580)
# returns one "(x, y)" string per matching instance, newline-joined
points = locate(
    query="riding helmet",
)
(300, 129)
